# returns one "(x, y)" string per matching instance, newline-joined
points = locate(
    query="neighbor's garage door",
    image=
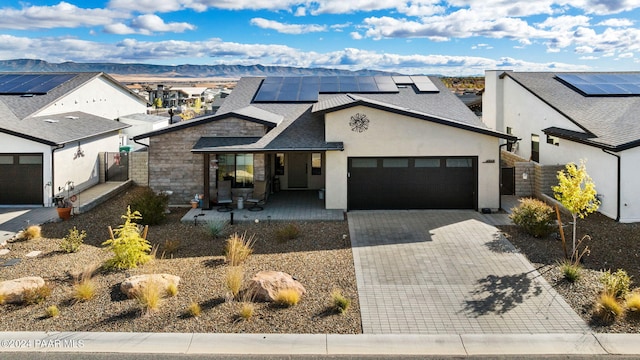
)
(21, 179)
(412, 183)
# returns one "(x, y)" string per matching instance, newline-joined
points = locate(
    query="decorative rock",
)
(265, 285)
(13, 290)
(134, 284)
(33, 254)
(4, 251)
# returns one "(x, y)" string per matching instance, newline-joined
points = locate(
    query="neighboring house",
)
(52, 128)
(565, 117)
(177, 96)
(371, 142)
(140, 124)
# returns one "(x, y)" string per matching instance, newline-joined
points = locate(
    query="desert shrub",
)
(608, 308)
(149, 297)
(71, 243)
(194, 309)
(52, 311)
(246, 310)
(238, 248)
(129, 248)
(616, 284)
(3, 298)
(215, 227)
(172, 289)
(170, 247)
(534, 216)
(32, 232)
(36, 295)
(571, 270)
(340, 302)
(152, 206)
(632, 302)
(287, 297)
(288, 232)
(84, 290)
(233, 281)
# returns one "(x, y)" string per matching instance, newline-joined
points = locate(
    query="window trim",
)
(234, 183)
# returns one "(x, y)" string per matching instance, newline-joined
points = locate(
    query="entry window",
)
(279, 164)
(316, 164)
(6, 159)
(459, 163)
(426, 163)
(395, 163)
(535, 148)
(30, 159)
(236, 167)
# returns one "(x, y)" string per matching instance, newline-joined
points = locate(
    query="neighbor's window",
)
(553, 140)
(279, 164)
(316, 164)
(509, 130)
(535, 147)
(236, 167)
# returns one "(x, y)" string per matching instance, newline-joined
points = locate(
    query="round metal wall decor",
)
(359, 123)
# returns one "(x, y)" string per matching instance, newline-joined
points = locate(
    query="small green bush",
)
(288, 232)
(129, 248)
(52, 311)
(571, 270)
(215, 227)
(152, 206)
(71, 243)
(616, 284)
(534, 216)
(340, 302)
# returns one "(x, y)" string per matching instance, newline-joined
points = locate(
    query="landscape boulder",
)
(265, 285)
(13, 290)
(135, 284)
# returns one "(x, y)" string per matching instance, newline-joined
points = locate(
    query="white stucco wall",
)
(630, 194)
(99, 97)
(395, 135)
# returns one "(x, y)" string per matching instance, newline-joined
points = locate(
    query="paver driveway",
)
(448, 272)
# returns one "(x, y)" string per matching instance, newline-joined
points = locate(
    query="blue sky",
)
(455, 37)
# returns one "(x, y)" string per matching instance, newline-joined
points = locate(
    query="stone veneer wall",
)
(139, 167)
(172, 165)
(539, 179)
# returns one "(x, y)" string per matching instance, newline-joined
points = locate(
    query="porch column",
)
(206, 199)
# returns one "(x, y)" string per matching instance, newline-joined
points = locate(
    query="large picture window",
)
(236, 167)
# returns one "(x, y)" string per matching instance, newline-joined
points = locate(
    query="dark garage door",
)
(21, 179)
(412, 183)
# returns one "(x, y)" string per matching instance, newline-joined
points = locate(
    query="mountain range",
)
(178, 71)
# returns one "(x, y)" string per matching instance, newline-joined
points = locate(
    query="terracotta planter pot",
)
(194, 204)
(64, 213)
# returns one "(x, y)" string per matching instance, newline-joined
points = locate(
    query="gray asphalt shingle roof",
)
(18, 115)
(608, 121)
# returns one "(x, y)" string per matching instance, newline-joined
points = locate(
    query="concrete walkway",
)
(448, 272)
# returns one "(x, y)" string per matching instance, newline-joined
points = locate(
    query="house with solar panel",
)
(383, 142)
(53, 126)
(565, 117)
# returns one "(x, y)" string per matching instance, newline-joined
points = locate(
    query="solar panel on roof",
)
(424, 84)
(621, 84)
(19, 84)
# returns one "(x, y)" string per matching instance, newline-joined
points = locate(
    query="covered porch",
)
(294, 205)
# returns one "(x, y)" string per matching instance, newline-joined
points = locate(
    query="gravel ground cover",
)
(320, 258)
(612, 246)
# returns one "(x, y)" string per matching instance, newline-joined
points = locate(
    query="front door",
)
(298, 167)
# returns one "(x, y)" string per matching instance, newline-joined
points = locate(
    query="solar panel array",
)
(307, 88)
(620, 84)
(37, 84)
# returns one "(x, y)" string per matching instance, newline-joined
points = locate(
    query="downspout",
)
(618, 187)
(53, 185)
(500, 174)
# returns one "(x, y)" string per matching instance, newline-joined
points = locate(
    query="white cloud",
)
(588, 58)
(287, 28)
(62, 15)
(626, 55)
(604, 7)
(356, 35)
(147, 24)
(616, 22)
(584, 49)
(301, 11)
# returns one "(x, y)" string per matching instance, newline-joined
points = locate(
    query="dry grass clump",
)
(194, 310)
(238, 248)
(608, 308)
(233, 281)
(340, 302)
(52, 311)
(84, 288)
(3, 298)
(170, 247)
(632, 302)
(288, 232)
(149, 297)
(32, 232)
(37, 295)
(287, 297)
(570, 270)
(246, 309)
(171, 290)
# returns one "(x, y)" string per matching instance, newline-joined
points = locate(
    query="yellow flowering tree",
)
(576, 191)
